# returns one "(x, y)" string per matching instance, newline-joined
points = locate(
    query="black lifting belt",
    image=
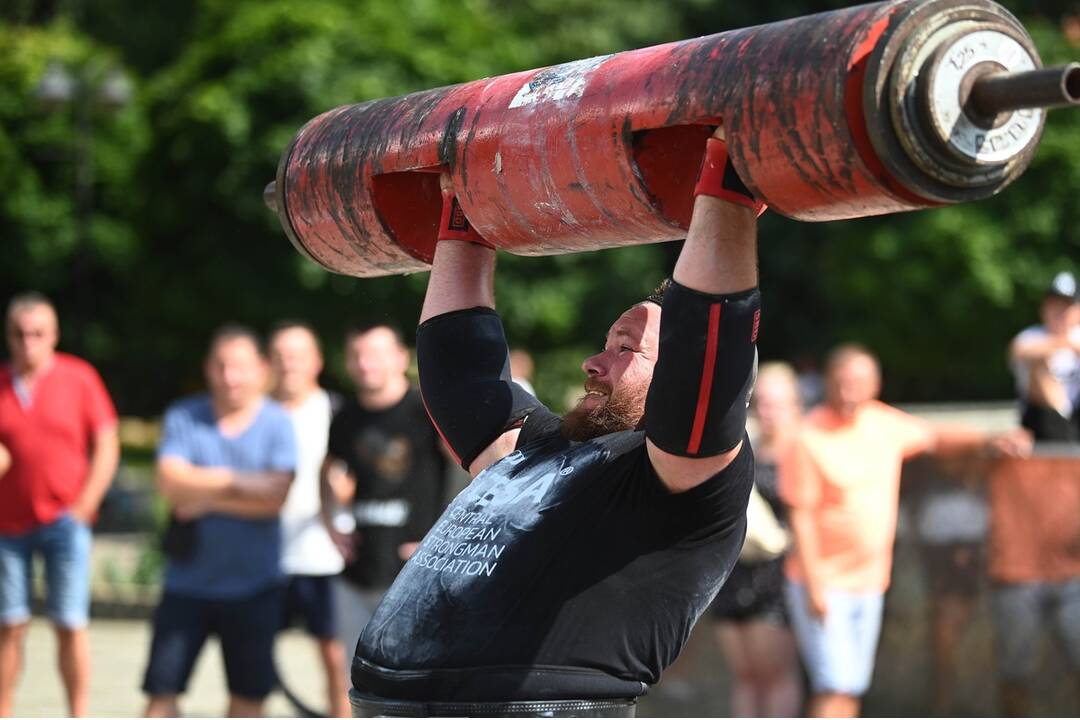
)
(701, 385)
(465, 380)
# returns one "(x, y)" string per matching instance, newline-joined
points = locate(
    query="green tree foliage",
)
(39, 159)
(180, 240)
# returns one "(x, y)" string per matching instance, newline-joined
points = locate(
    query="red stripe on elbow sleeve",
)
(705, 389)
(453, 453)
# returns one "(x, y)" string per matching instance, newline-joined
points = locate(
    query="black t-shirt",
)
(395, 457)
(565, 570)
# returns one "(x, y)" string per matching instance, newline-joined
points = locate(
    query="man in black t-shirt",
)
(385, 465)
(570, 572)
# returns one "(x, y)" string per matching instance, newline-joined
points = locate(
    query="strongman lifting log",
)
(569, 573)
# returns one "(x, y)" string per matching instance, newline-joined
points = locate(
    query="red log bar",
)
(844, 114)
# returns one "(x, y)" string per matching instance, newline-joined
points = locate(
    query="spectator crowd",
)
(290, 504)
(287, 503)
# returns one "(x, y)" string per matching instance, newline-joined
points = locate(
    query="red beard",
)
(622, 410)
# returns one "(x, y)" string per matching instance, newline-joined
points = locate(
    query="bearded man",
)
(570, 572)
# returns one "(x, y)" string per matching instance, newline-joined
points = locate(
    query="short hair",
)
(290, 324)
(365, 327)
(235, 331)
(845, 351)
(27, 300)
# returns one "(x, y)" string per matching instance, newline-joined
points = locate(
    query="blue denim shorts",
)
(838, 651)
(64, 545)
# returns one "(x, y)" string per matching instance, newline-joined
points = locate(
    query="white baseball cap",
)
(1063, 285)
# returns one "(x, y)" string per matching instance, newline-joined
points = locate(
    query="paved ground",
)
(119, 649)
(696, 686)
(693, 687)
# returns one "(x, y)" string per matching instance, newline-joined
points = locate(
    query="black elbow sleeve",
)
(465, 380)
(697, 402)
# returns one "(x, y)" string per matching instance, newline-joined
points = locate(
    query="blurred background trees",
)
(167, 236)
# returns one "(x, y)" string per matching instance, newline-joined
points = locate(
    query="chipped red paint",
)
(597, 153)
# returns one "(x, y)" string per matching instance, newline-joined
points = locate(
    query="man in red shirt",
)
(58, 454)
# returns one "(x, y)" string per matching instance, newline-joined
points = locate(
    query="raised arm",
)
(462, 277)
(1029, 348)
(461, 349)
(463, 270)
(695, 415)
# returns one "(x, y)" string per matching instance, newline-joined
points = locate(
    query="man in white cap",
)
(1046, 361)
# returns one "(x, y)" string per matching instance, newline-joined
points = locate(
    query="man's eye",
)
(625, 348)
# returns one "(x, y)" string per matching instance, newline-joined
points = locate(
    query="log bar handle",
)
(1051, 87)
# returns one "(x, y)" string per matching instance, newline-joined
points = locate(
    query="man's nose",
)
(593, 365)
